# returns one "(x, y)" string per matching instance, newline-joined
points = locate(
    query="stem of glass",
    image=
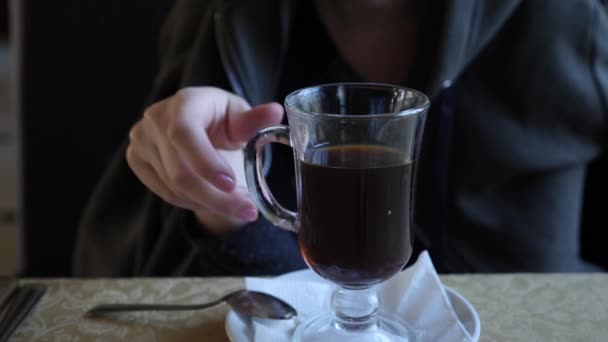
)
(355, 309)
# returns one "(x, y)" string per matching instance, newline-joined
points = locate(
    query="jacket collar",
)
(252, 39)
(253, 36)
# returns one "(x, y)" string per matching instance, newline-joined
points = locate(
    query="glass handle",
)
(256, 182)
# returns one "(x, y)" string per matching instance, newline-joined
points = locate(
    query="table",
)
(512, 307)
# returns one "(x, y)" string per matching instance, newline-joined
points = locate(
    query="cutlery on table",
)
(249, 303)
(16, 301)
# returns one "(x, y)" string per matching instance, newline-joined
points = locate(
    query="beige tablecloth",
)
(514, 307)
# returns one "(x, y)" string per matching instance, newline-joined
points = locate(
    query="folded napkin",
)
(416, 295)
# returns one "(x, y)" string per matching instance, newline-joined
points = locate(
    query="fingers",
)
(185, 121)
(149, 177)
(160, 168)
(199, 152)
(219, 223)
(186, 191)
(241, 126)
(187, 183)
(228, 122)
(180, 151)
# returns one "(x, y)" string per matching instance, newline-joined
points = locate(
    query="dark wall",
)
(3, 19)
(86, 68)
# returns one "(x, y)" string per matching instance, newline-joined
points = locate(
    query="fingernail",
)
(247, 213)
(225, 182)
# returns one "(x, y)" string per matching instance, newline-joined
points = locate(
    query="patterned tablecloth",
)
(513, 307)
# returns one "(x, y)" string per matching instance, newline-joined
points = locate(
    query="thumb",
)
(241, 126)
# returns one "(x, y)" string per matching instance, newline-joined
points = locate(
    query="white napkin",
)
(416, 295)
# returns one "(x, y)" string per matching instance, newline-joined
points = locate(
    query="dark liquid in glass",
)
(355, 213)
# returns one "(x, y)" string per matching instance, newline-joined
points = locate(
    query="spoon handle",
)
(110, 308)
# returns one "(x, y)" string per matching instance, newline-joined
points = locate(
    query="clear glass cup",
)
(355, 147)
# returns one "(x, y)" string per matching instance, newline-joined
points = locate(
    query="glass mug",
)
(355, 147)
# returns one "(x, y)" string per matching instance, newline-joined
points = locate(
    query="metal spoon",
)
(250, 303)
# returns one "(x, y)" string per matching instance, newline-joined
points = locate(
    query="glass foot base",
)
(325, 328)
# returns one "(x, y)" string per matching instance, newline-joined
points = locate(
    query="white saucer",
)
(239, 329)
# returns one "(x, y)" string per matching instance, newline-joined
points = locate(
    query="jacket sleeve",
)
(600, 61)
(126, 230)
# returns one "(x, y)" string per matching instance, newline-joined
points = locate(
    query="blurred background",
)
(9, 239)
(74, 75)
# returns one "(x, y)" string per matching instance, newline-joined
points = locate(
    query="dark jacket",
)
(522, 88)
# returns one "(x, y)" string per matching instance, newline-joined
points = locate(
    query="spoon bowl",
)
(249, 303)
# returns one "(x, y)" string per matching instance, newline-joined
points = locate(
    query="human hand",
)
(187, 150)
